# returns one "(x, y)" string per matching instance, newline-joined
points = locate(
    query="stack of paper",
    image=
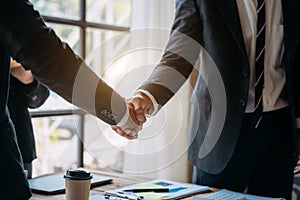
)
(159, 189)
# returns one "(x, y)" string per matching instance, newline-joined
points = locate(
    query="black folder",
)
(55, 183)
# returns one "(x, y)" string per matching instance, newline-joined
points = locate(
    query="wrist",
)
(27, 80)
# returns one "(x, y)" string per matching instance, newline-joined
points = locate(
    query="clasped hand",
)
(19, 72)
(139, 106)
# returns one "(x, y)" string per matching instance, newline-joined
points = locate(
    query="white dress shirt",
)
(274, 72)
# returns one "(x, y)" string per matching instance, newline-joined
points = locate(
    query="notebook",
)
(176, 190)
(55, 183)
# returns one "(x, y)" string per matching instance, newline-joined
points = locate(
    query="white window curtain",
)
(161, 150)
(126, 60)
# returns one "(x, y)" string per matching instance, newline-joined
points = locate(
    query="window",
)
(84, 25)
(68, 9)
(114, 12)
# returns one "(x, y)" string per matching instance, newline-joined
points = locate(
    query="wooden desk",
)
(119, 180)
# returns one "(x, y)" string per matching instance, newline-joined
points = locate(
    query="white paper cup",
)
(78, 184)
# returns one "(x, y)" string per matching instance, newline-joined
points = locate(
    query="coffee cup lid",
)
(78, 174)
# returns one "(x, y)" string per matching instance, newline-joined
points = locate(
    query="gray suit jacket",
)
(212, 29)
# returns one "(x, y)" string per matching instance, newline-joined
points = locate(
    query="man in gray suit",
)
(246, 102)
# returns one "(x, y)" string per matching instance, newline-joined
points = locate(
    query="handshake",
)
(139, 106)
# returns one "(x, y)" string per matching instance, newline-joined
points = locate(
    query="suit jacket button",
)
(242, 102)
(34, 98)
(245, 73)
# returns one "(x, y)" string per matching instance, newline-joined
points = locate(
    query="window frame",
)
(83, 25)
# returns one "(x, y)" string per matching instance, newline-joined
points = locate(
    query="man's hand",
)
(19, 72)
(130, 127)
(139, 106)
(142, 105)
(297, 166)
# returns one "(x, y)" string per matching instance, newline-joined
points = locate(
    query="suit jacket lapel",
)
(229, 11)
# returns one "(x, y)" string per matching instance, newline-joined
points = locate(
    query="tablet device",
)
(55, 183)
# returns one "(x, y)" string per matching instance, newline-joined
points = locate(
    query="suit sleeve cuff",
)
(31, 86)
(153, 100)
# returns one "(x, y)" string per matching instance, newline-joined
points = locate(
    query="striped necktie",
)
(259, 62)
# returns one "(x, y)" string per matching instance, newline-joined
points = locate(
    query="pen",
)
(122, 196)
(147, 190)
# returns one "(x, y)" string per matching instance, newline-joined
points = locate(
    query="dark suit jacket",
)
(15, 186)
(25, 37)
(212, 28)
(30, 42)
(21, 97)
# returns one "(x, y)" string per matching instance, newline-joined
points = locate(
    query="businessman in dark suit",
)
(24, 92)
(25, 37)
(244, 107)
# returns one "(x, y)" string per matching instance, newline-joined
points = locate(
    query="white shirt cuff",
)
(153, 100)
